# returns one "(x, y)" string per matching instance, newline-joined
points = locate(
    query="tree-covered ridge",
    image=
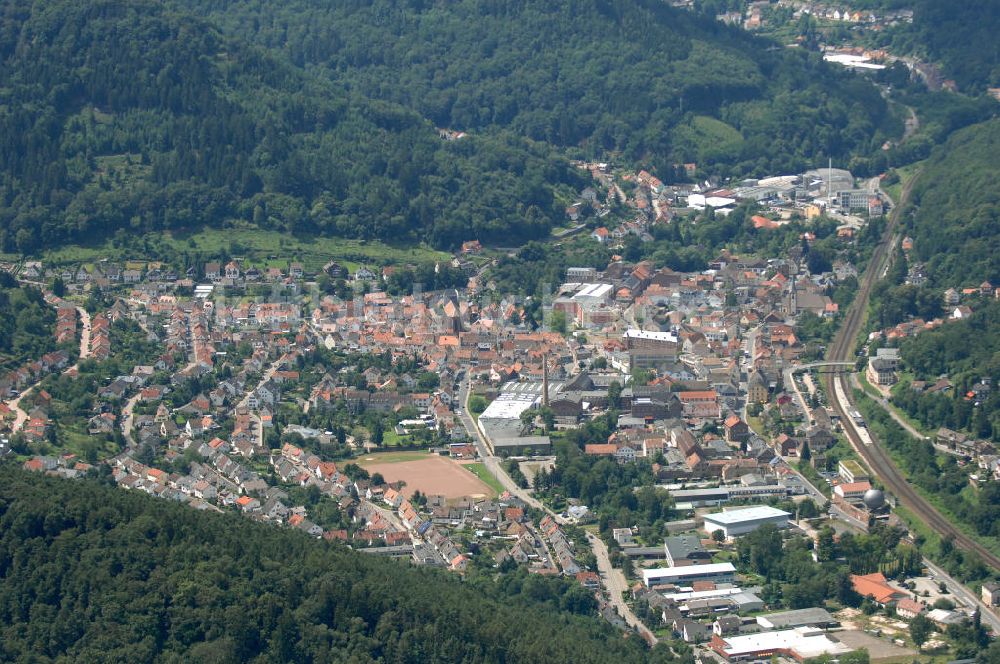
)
(632, 76)
(96, 574)
(121, 114)
(956, 209)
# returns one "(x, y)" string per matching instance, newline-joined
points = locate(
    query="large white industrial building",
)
(800, 644)
(733, 523)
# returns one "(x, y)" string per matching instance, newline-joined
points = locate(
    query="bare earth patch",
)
(880, 649)
(432, 475)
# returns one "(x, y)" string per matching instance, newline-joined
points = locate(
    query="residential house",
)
(991, 593)
(909, 609)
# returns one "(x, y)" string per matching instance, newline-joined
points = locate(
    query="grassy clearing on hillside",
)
(706, 138)
(259, 247)
(716, 131)
(905, 173)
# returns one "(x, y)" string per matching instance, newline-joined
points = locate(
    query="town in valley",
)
(650, 434)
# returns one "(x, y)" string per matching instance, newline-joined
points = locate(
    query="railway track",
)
(874, 455)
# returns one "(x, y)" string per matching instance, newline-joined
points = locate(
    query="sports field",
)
(431, 474)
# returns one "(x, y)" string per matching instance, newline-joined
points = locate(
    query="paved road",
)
(393, 518)
(875, 456)
(85, 333)
(128, 419)
(268, 374)
(20, 416)
(966, 596)
(616, 586)
(847, 518)
(884, 404)
(789, 377)
(811, 490)
(969, 598)
(899, 420)
(909, 428)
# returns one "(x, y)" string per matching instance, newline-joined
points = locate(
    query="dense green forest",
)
(796, 582)
(622, 495)
(141, 115)
(121, 114)
(956, 209)
(636, 77)
(27, 324)
(962, 36)
(92, 573)
(946, 350)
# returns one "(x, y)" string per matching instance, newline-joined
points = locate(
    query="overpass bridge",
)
(833, 367)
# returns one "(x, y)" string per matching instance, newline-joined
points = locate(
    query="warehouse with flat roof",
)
(733, 523)
(801, 643)
(501, 422)
(812, 617)
(715, 572)
(685, 550)
(852, 471)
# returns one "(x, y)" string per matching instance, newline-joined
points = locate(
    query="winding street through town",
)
(612, 579)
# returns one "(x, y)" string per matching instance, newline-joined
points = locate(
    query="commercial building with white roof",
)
(800, 644)
(716, 572)
(740, 522)
(592, 295)
(646, 335)
(501, 423)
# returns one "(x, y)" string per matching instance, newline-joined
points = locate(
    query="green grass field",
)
(716, 131)
(480, 471)
(709, 136)
(391, 457)
(258, 247)
(392, 439)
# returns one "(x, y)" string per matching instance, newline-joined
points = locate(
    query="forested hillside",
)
(307, 116)
(956, 209)
(962, 36)
(633, 76)
(966, 351)
(94, 574)
(27, 324)
(121, 114)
